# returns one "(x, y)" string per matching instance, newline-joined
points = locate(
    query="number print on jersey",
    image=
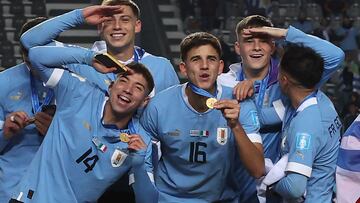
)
(196, 154)
(89, 162)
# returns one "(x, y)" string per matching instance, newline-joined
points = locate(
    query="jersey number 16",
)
(196, 155)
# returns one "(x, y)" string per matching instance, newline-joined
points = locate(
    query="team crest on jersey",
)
(303, 141)
(118, 158)
(17, 96)
(222, 136)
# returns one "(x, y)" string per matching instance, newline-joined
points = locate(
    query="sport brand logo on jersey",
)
(118, 158)
(17, 96)
(303, 141)
(176, 132)
(222, 135)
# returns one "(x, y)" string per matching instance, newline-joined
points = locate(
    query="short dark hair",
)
(134, 7)
(252, 21)
(27, 26)
(303, 64)
(140, 69)
(198, 39)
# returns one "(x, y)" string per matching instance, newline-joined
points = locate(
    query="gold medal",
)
(124, 137)
(210, 102)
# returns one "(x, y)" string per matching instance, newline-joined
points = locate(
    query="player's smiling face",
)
(202, 66)
(255, 51)
(128, 93)
(119, 32)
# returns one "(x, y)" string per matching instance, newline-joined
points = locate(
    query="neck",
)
(123, 54)
(198, 102)
(256, 74)
(297, 95)
(110, 117)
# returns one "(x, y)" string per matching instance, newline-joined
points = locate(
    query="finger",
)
(21, 122)
(43, 117)
(136, 139)
(22, 115)
(40, 127)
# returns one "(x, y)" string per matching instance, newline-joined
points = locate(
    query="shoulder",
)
(167, 94)
(14, 76)
(149, 59)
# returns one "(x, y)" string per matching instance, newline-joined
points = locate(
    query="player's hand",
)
(138, 146)
(230, 110)
(136, 143)
(101, 68)
(272, 32)
(244, 89)
(14, 123)
(42, 122)
(95, 15)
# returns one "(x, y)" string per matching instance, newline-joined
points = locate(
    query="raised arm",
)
(333, 56)
(46, 32)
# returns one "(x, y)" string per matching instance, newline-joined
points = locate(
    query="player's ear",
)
(182, 68)
(145, 102)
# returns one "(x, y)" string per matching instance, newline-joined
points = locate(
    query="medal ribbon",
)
(115, 138)
(201, 92)
(270, 79)
(35, 97)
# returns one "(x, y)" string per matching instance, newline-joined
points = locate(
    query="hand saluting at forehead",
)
(95, 15)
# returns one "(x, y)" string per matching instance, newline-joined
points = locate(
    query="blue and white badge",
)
(222, 136)
(255, 118)
(118, 158)
(303, 141)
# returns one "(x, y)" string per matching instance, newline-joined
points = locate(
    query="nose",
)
(256, 45)
(117, 24)
(204, 65)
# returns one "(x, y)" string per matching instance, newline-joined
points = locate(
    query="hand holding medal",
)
(230, 110)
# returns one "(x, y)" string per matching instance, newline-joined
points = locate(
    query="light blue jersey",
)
(82, 156)
(17, 152)
(198, 149)
(272, 104)
(44, 34)
(311, 138)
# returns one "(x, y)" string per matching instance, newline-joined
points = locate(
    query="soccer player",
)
(311, 129)
(347, 170)
(22, 122)
(202, 141)
(118, 21)
(94, 138)
(260, 70)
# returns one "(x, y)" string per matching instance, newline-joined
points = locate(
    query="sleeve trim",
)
(279, 108)
(299, 168)
(255, 137)
(55, 77)
(1, 125)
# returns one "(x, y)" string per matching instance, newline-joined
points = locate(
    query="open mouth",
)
(117, 35)
(123, 99)
(256, 56)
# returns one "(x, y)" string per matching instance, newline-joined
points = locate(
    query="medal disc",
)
(210, 102)
(124, 137)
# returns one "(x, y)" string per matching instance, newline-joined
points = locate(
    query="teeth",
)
(117, 35)
(124, 98)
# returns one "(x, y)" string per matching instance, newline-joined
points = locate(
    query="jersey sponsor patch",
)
(222, 136)
(118, 158)
(255, 118)
(303, 141)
